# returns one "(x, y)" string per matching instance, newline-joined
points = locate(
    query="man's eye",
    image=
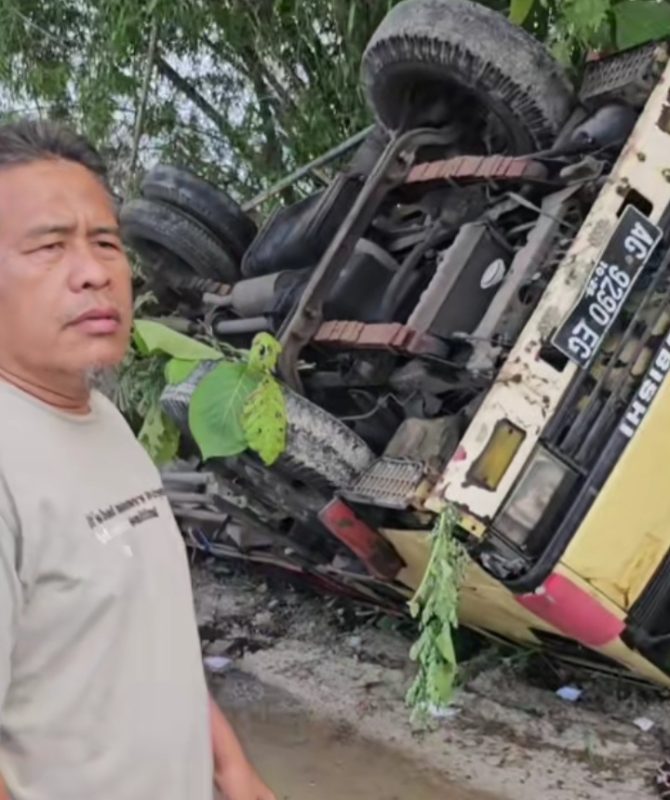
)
(107, 244)
(50, 247)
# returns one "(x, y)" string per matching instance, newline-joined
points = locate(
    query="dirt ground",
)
(316, 687)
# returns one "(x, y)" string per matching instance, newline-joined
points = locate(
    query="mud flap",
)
(378, 555)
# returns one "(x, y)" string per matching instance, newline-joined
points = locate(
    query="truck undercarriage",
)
(400, 294)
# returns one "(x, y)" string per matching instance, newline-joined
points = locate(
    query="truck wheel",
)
(431, 62)
(165, 236)
(211, 206)
(321, 452)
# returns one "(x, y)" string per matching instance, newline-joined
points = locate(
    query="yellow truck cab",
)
(567, 457)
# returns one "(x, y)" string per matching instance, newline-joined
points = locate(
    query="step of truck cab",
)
(390, 483)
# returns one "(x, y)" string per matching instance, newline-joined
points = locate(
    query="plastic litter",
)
(644, 724)
(569, 693)
(444, 713)
(217, 663)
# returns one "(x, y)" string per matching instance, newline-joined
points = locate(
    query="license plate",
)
(610, 283)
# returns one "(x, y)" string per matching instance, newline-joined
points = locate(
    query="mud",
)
(345, 670)
(304, 757)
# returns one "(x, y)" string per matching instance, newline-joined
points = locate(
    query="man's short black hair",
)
(25, 141)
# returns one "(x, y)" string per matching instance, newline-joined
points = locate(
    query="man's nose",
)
(87, 271)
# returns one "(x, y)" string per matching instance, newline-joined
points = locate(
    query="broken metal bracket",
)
(378, 555)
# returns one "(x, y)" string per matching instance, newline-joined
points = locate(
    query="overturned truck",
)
(473, 312)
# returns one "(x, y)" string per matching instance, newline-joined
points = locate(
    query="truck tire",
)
(206, 203)
(431, 60)
(321, 451)
(164, 235)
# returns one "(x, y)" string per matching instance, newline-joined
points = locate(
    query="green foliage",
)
(241, 90)
(585, 18)
(264, 353)
(140, 383)
(637, 21)
(238, 405)
(159, 436)
(241, 405)
(152, 337)
(264, 420)
(177, 370)
(216, 409)
(571, 28)
(520, 10)
(435, 604)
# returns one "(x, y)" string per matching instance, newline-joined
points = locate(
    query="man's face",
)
(65, 281)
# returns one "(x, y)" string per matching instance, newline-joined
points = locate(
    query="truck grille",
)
(592, 426)
(593, 407)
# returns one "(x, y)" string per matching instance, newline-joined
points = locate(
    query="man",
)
(102, 692)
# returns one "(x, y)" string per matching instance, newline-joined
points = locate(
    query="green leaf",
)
(159, 436)
(264, 420)
(520, 10)
(351, 21)
(445, 645)
(217, 407)
(177, 370)
(264, 353)
(441, 679)
(585, 17)
(153, 337)
(562, 49)
(639, 21)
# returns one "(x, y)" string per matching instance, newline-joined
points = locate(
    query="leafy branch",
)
(239, 405)
(435, 604)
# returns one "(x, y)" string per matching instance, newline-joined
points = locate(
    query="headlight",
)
(543, 484)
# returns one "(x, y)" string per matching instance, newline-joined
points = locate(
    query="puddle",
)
(305, 759)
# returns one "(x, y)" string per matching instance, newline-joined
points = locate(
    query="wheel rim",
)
(428, 99)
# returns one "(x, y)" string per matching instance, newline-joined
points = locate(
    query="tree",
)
(241, 90)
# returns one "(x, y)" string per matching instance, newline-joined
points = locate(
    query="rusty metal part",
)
(491, 168)
(390, 171)
(390, 336)
(378, 555)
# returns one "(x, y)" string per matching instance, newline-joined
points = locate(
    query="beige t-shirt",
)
(102, 690)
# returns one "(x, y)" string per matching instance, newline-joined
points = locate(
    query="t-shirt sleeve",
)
(10, 598)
